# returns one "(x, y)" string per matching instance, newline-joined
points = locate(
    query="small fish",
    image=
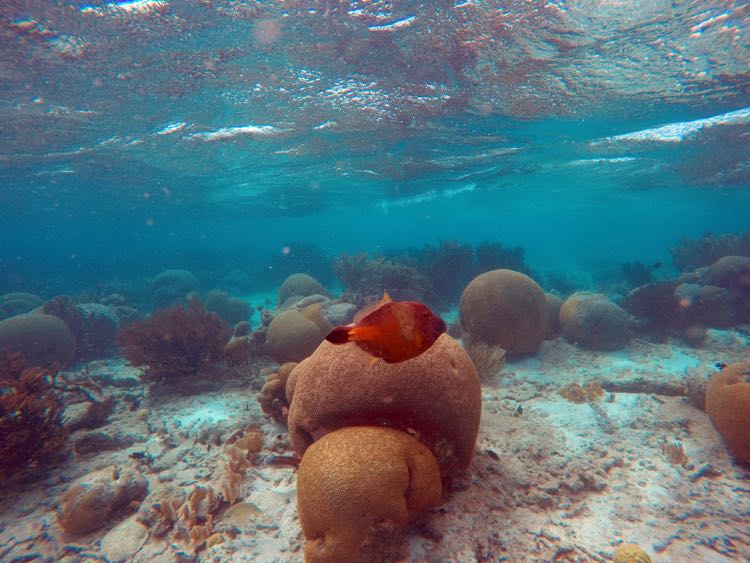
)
(720, 365)
(395, 331)
(658, 265)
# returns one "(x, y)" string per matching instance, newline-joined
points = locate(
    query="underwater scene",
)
(368, 281)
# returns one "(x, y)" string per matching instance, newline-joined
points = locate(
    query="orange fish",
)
(395, 331)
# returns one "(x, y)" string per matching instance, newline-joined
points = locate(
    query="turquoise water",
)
(166, 166)
(144, 135)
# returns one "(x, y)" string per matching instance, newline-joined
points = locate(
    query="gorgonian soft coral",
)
(176, 345)
(365, 279)
(31, 430)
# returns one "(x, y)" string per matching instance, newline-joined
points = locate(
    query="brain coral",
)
(43, 340)
(301, 285)
(436, 395)
(293, 335)
(507, 308)
(172, 286)
(361, 479)
(593, 321)
(630, 553)
(728, 406)
(17, 303)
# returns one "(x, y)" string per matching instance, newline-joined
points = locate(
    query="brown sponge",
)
(728, 406)
(359, 481)
(506, 308)
(436, 396)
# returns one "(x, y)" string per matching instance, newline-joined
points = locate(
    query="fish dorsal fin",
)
(362, 313)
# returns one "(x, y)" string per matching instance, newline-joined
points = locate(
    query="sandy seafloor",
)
(569, 482)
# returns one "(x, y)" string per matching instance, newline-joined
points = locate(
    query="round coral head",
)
(728, 406)
(359, 482)
(435, 396)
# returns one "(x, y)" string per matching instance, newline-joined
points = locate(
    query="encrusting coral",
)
(176, 345)
(728, 406)
(436, 395)
(359, 482)
(31, 426)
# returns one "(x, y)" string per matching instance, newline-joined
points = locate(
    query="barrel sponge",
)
(507, 308)
(301, 285)
(593, 321)
(293, 335)
(362, 480)
(43, 340)
(436, 396)
(728, 406)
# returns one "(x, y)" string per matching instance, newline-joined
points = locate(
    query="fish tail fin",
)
(339, 335)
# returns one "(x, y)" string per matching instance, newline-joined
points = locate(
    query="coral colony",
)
(372, 282)
(221, 437)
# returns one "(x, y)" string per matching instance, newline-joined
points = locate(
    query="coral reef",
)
(43, 340)
(728, 407)
(293, 335)
(436, 395)
(593, 321)
(694, 253)
(728, 272)
(17, 303)
(688, 306)
(432, 274)
(172, 286)
(232, 309)
(362, 481)
(99, 497)
(176, 345)
(364, 280)
(506, 308)
(32, 435)
(636, 274)
(299, 285)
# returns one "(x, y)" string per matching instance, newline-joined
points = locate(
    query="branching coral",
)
(31, 429)
(176, 345)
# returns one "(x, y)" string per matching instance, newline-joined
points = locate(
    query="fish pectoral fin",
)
(372, 361)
